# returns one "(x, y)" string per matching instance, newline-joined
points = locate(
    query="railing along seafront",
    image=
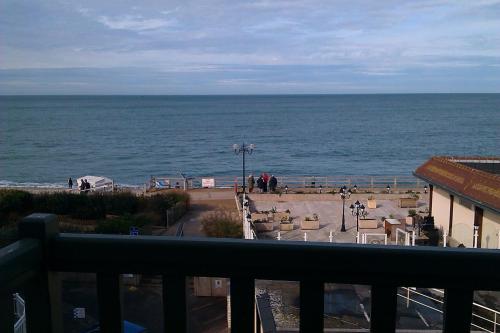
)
(292, 182)
(31, 266)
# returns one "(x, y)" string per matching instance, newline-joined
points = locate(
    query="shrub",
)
(412, 212)
(121, 203)
(121, 224)
(159, 203)
(59, 203)
(222, 225)
(15, 201)
(91, 207)
(13, 204)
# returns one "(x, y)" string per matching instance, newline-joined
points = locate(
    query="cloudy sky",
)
(248, 47)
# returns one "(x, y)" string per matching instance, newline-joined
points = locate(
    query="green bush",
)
(13, 204)
(121, 203)
(121, 225)
(79, 206)
(92, 208)
(222, 225)
(15, 201)
(59, 203)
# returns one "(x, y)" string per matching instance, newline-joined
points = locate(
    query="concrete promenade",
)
(329, 209)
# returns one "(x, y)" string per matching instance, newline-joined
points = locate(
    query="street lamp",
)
(245, 149)
(344, 193)
(357, 209)
(425, 189)
(388, 188)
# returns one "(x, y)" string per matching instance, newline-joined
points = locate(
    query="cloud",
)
(261, 43)
(133, 23)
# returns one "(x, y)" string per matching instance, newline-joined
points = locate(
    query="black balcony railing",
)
(32, 264)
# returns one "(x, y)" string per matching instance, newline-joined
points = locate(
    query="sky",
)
(249, 47)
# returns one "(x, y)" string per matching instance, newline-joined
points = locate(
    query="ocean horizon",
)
(47, 138)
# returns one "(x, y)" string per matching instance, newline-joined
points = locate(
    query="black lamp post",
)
(344, 193)
(357, 209)
(245, 149)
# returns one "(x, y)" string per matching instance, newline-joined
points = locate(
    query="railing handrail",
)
(301, 181)
(44, 251)
(20, 310)
(351, 263)
(19, 261)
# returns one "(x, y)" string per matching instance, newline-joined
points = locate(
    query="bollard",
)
(279, 235)
(331, 237)
(445, 235)
(476, 234)
(305, 236)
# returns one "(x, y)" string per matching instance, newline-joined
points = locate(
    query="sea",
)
(46, 139)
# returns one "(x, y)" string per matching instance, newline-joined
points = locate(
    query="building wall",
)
(463, 222)
(441, 208)
(491, 228)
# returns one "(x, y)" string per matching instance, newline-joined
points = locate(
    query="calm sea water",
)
(46, 139)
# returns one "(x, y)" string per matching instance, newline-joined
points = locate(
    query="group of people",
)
(263, 183)
(84, 186)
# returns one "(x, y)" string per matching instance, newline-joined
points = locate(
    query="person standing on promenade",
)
(87, 186)
(273, 183)
(265, 178)
(70, 183)
(260, 183)
(251, 183)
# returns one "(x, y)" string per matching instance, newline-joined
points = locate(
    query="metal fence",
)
(20, 314)
(325, 182)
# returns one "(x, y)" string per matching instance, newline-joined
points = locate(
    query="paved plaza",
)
(329, 209)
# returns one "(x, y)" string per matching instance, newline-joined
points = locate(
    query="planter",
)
(259, 217)
(372, 203)
(408, 202)
(309, 225)
(286, 226)
(278, 217)
(263, 226)
(410, 220)
(368, 224)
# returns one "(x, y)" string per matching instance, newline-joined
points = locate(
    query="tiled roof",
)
(479, 186)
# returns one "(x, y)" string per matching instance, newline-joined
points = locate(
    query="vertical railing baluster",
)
(242, 305)
(6, 312)
(174, 303)
(110, 302)
(457, 314)
(42, 292)
(312, 306)
(383, 309)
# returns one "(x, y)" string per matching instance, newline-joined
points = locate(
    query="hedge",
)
(83, 206)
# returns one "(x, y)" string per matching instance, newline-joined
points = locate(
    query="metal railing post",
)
(42, 293)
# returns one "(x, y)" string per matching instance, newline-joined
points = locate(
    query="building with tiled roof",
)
(465, 198)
